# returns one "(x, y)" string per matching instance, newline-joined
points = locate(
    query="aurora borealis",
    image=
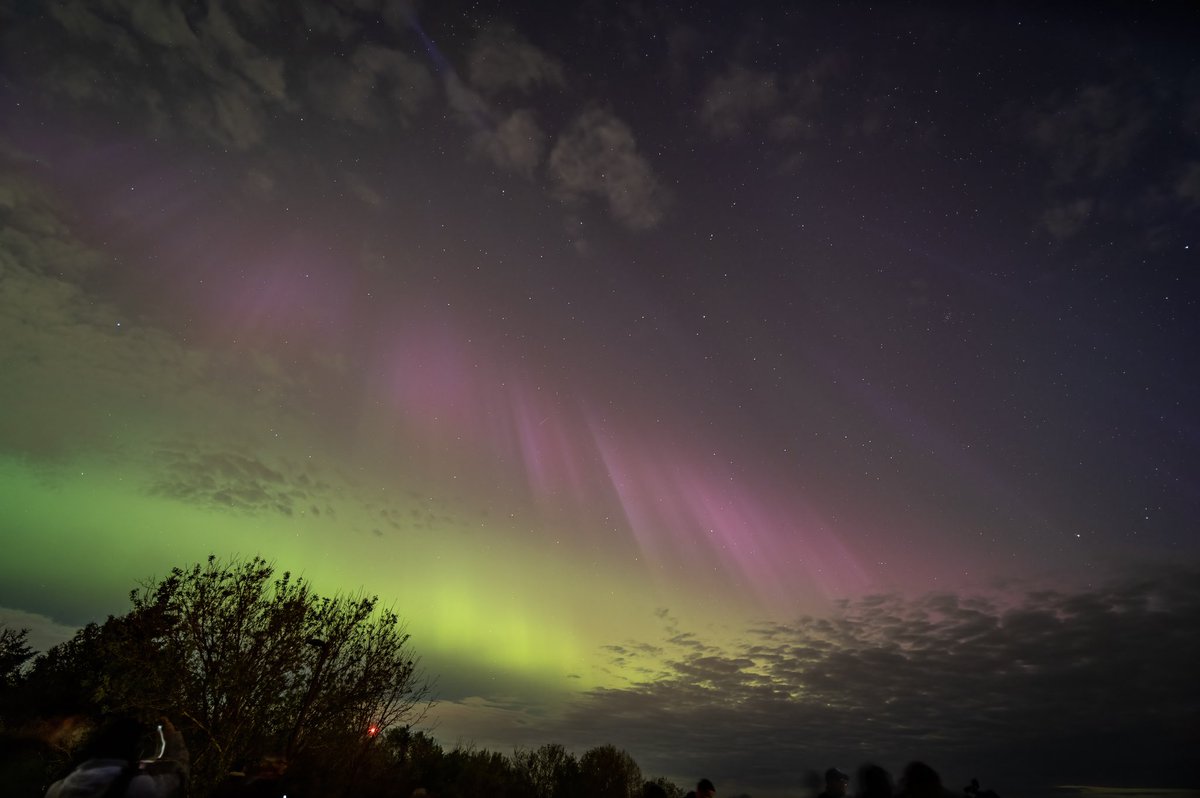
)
(683, 375)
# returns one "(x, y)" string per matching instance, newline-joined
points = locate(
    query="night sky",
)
(757, 387)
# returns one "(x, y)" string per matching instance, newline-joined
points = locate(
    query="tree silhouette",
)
(551, 770)
(248, 664)
(663, 787)
(69, 679)
(609, 772)
(14, 653)
(251, 665)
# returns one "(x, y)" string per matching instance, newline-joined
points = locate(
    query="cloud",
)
(597, 155)
(1065, 219)
(224, 73)
(66, 355)
(732, 100)
(784, 106)
(467, 103)
(33, 238)
(502, 59)
(1092, 133)
(197, 74)
(375, 86)
(361, 188)
(324, 18)
(1112, 154)
(77, 361)
(235, 481)
(1187, 187)
(264, 74)
(946, 676)
(516, 144)
(209, 72)
(44, 631)
(230, 116)
(80, 21)
(1101, 679)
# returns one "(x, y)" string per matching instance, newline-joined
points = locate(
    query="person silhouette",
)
(874, 782)
(836, 784)
(921, 781)
(114, 763)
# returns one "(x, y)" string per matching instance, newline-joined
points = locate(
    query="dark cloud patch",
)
(71, 359)
(1112, 156)
(420, 514)
(1092, 132)
(221, 73)
(44, 631)
(201, 75)
(597, 155)
(516, 143)
(234, 481)
(326, 19)
(243, 76)
(33, 236)
(796, 104)
(513, 142)
(391, 517)
(732, 100)
(799, 107)
(374, 87)
(1066, 218)
(970, 683)
(502, 59)
(1187, 185)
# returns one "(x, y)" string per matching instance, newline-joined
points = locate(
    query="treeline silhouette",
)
(274, 689)
(265, 688)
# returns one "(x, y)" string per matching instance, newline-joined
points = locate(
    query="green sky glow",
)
(689, 379)
(83, 534)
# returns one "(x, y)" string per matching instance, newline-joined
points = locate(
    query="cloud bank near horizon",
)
(1021, 689)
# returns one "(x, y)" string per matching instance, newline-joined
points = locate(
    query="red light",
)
(371, 732)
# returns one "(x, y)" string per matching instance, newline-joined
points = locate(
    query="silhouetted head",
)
(705, 789)
(920, 780)
(115, 738)
(874, 782)
(652, 790)
(836, 782)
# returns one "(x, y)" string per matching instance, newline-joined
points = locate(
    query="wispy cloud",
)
(597, 155)
(375, 86)
(513, 142)
(232, 85)
(731, 100)
(1100, 677)
(502, 59)
(236, 481)
(1090, 133)
(1102, 146)
(44, 631)
(1187, 186)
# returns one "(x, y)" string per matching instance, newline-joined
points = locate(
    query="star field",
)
(617, 344)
